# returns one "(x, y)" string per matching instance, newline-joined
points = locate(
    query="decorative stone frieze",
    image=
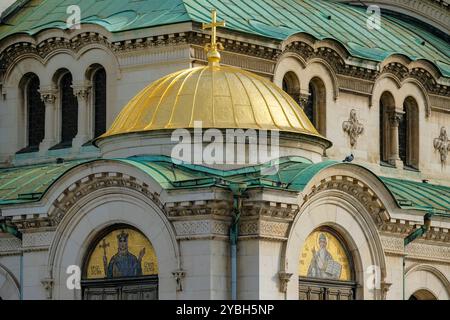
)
(357, 189)
(416, 250)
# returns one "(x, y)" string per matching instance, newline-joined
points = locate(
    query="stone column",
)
(48, 96)
(394, 120)
(82, 92)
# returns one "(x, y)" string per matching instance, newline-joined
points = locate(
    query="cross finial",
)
(213, 47)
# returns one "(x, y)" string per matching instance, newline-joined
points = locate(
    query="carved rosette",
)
(442, 144)
(353, 127)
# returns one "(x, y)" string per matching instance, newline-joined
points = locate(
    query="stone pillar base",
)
(398, 163)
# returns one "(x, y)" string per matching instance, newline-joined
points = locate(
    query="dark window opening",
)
(403, 139)
(309, 107)
(35, 115)
(99, 81)
(69, 111)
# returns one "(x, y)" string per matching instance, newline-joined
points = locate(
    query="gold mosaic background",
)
(136, 241)
(334, 247)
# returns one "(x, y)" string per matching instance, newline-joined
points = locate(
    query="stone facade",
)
(190, 229)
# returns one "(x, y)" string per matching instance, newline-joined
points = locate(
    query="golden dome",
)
(219, 96)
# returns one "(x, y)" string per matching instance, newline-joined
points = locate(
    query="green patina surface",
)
(28, 184)
(275, 19)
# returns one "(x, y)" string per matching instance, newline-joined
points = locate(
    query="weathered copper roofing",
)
(275, 19)
(29, 184)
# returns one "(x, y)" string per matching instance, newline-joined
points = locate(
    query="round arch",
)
(9, 286)
(103, 207)
(423, 278)
(349, 219)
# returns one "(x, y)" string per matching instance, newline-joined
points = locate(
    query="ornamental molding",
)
(263, 229)
(183, 209)
(442, 145)
(353, 128)
(10, 246)
(37, 239)
(358, 190)
(78, 190)
(360, 80)
(416, 250)
(194, 228)
(269, 210)
(425, 78)
(368, 198)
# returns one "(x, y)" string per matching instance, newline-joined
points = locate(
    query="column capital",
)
(48, 94)
(303, 98)
(82, 90)
(395, 117)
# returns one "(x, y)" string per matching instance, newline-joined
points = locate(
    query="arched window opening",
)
(291, 85)
(69, 111)
(387, 107)
(35, 113)
(326, 270)
(409, 135)
(99, 99)
(422, 295)
(121, 264)
(315, 108)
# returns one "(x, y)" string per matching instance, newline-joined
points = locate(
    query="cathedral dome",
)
(218, 96)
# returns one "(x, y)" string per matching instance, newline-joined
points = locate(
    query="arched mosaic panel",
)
(124, 252)
(323, 256)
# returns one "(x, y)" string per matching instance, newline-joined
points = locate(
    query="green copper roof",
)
(28, 184)
(275, 19)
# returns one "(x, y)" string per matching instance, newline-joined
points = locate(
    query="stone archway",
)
(121, 264)
(9, 287)
(422, 294)
(101, 209)
(423, 282)
(347, 217)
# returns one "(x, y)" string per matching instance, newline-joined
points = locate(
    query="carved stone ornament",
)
(284, 280)
(179, 276)
(47, 283)
(353, 127)
(442, 144)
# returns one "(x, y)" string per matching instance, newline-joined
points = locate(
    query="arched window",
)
(291, 86)
(408, 134)
(69, 111)
(35, 113)
(315, 108)
(99, 99)
(422, 294)
(121, 264)
(387, 106)
(326, 270)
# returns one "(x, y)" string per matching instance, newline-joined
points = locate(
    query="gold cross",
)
(214, 46)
